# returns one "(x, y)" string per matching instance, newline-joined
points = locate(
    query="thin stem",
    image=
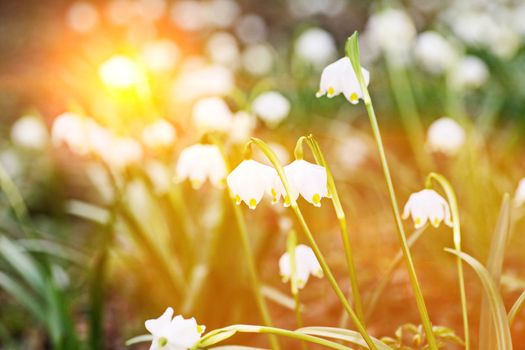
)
(352, 51)
(328, 273)
(341, 217)
(276, 331)
(291, 244)
(16, 201)
(451, 197)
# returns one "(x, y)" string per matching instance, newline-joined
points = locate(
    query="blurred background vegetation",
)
(90, 249)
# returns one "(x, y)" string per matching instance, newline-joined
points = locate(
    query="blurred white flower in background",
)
(445, 135)
(195, 15)
(519, 195)
(161, 55)
(173, 334)
(470, 73)
(350, 152)
(120, 71)
(124, 152)
(11, 161)
(258, 59)
(150, 10)
(280, 151)
(120, 12)
(306, 179)
(316, 46)
(434, 52)
(394, 32)
(222, 13)
(69, 129)
(198, 80)
(82, 16)
(30, 132)
(251, 29)
(242, 127)
(222, 48)
(200, 162)
(159, 175)
(427, 205)
(339, 77)
(307, 8)
(212, 114)
(159, 134)
(306, 264)
(250, 180)
(272, 107)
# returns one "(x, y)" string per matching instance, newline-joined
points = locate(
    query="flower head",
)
(200, 162)
(271, 107)
(306, 264)
(174, 333)
(306, 179)
(427, 205)
(519, 195)
(445, 135)
(30, 132)
(470, 73)
(315, 46)
(212, 114)
(340, 77)
(158, 134)
(69, 129)
(250, 180)
(434, 52)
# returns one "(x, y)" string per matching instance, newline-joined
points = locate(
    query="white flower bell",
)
(315, 46)
(159, 134)
(340, 77)
(445, 135)
(173, 333)
(250, 180)
(470, 73)
(306, 264)
(271, 107)
(30, 132)
(69, 129)
(519, 195)
(434, 52)
(123, 152)
(212, 114)
(306, 179)
(242, 127)
(427, 205)
(200, 162)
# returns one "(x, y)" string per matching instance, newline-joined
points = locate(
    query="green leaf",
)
(23, 263)
(54, 249)
(19, 293)
(278, 297)
(342, 334)
(235, 347)
(499, 315)
(139, 339)
(518, 305)
(494, 267)
(216, 338)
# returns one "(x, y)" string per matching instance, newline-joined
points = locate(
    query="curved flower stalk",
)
(456, 226)
(352, 51)
(326, 270)
(341, 217)
(173, 333)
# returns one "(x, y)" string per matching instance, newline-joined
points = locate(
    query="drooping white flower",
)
(212, 114)
(315, 46)
(470, 72)
(394, 32)
(123, 152)
(250, 180)
(445, 135)
(173, 333)
(69, 129)
(339, 77)
(271, 107)
(30, 132)
(306, 179)
(519, 195)
(200, 162)
(198, 80)
(223, 49)
(427, 205)
(159, 134)
(306, 264)
(434, 52)
(258, 59)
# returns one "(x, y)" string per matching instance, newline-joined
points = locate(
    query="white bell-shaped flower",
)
(469, 73)
(306, 179)
(306, 264)
(445, 135)
(434, 52)
(69, 129)
(173, 333)
(212, 114)
(427, 205)
(272, 107)
(316, 46)
(200, 162)
(159, 134)
(250, 180)
(339, 77)
(123, 152)
(519, 195)
(30, 132)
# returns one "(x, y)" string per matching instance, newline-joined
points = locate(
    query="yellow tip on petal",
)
(252, 203)
(237, 200)
(200, 329)
(331, 91)
(319, 93)
(417, 221)
(354, 98)
(163, 341)
(316, 200)
(287, 201)
(195, 183)
(435, 222)
(300, 283)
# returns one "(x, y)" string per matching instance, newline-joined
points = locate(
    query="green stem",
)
(276, 331)
(352, 51)
(16, 201)
(341, 218)
(328, 273)
(291, 244)
(451, 198)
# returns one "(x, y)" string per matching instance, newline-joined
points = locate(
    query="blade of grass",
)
(342, 334)
(518, 305)
(17, 291)
(497, 308)
(494, 267)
